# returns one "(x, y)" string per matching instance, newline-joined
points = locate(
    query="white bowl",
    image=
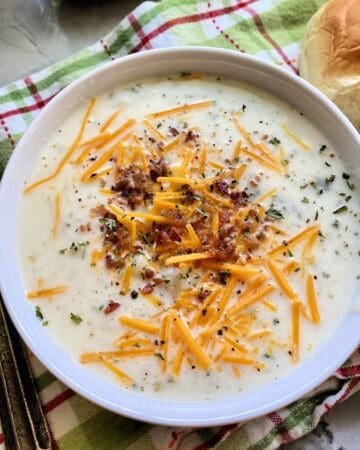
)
(240, 407)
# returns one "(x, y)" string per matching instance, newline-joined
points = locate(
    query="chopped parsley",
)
(76, 247)
(109, 223)
(350, 185)
(274, 213)
(340, 209)
(330, 179)
(38, 313)
(75, 318)
(274, 141)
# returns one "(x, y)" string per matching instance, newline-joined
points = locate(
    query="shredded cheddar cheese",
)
(295, 137)
(180, 109)
(109, 121)
(68, 154)
(139, 324)
(295, 316)
(172, 206)
(124, 378)
(311, 295)
(57, 205)
(49, 292)
(190, 341)
(186, 258)
(126, 279)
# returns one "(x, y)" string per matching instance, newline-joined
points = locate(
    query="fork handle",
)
(22, 418)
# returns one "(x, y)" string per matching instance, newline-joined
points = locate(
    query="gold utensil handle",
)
(22, 419)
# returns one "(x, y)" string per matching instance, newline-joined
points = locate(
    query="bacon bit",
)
(114, 263)
(222, 186)
(133, 185)
(117, 238)
(165, 233)
(149, 273)
(112, 306)
(85, 227)
(190, 136)
(173, 131)
(203, 295)
(240, 198)
(189, 192)
(147, 289)
(99, 210)
(158, 168)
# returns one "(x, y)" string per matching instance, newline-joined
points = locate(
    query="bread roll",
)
(330, 55)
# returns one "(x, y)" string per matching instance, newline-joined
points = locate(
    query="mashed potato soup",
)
(189, 237)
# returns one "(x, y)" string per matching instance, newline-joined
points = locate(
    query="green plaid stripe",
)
(269, 29)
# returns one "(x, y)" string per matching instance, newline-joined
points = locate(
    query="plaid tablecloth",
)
(268, 29)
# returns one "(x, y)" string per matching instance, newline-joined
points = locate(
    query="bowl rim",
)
(137, 406)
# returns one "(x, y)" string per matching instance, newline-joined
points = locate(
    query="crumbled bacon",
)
(149, 273)
(225, 249)
(99, 210)
(224, 216)
(114, 263)
(157, 281)
(112, 306)
(254, 182)
(85, 227)
(203, 295)
(147, 289)
(158, 168)
(222, 186)
(240, 198)
(176, 215)
(116, 239)
(190, 136)
(189, 192)
(173, 131)
(165, 233)
(133, 185)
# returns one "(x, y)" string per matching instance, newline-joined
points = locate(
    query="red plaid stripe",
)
(26, 109)
(34, 92)
(189, 19)
(107, 50)
(280, 427)
(7, 131)
(349, 372)
(223, 33)
(260, 26)
(58, 400)
(223, 432)
(139, 31)
(352, 384)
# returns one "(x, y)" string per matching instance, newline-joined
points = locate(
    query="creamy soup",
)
(189, 236)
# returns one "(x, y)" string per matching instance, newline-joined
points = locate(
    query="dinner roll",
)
(330, 55)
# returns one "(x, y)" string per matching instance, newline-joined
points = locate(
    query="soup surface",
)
(189, 236)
